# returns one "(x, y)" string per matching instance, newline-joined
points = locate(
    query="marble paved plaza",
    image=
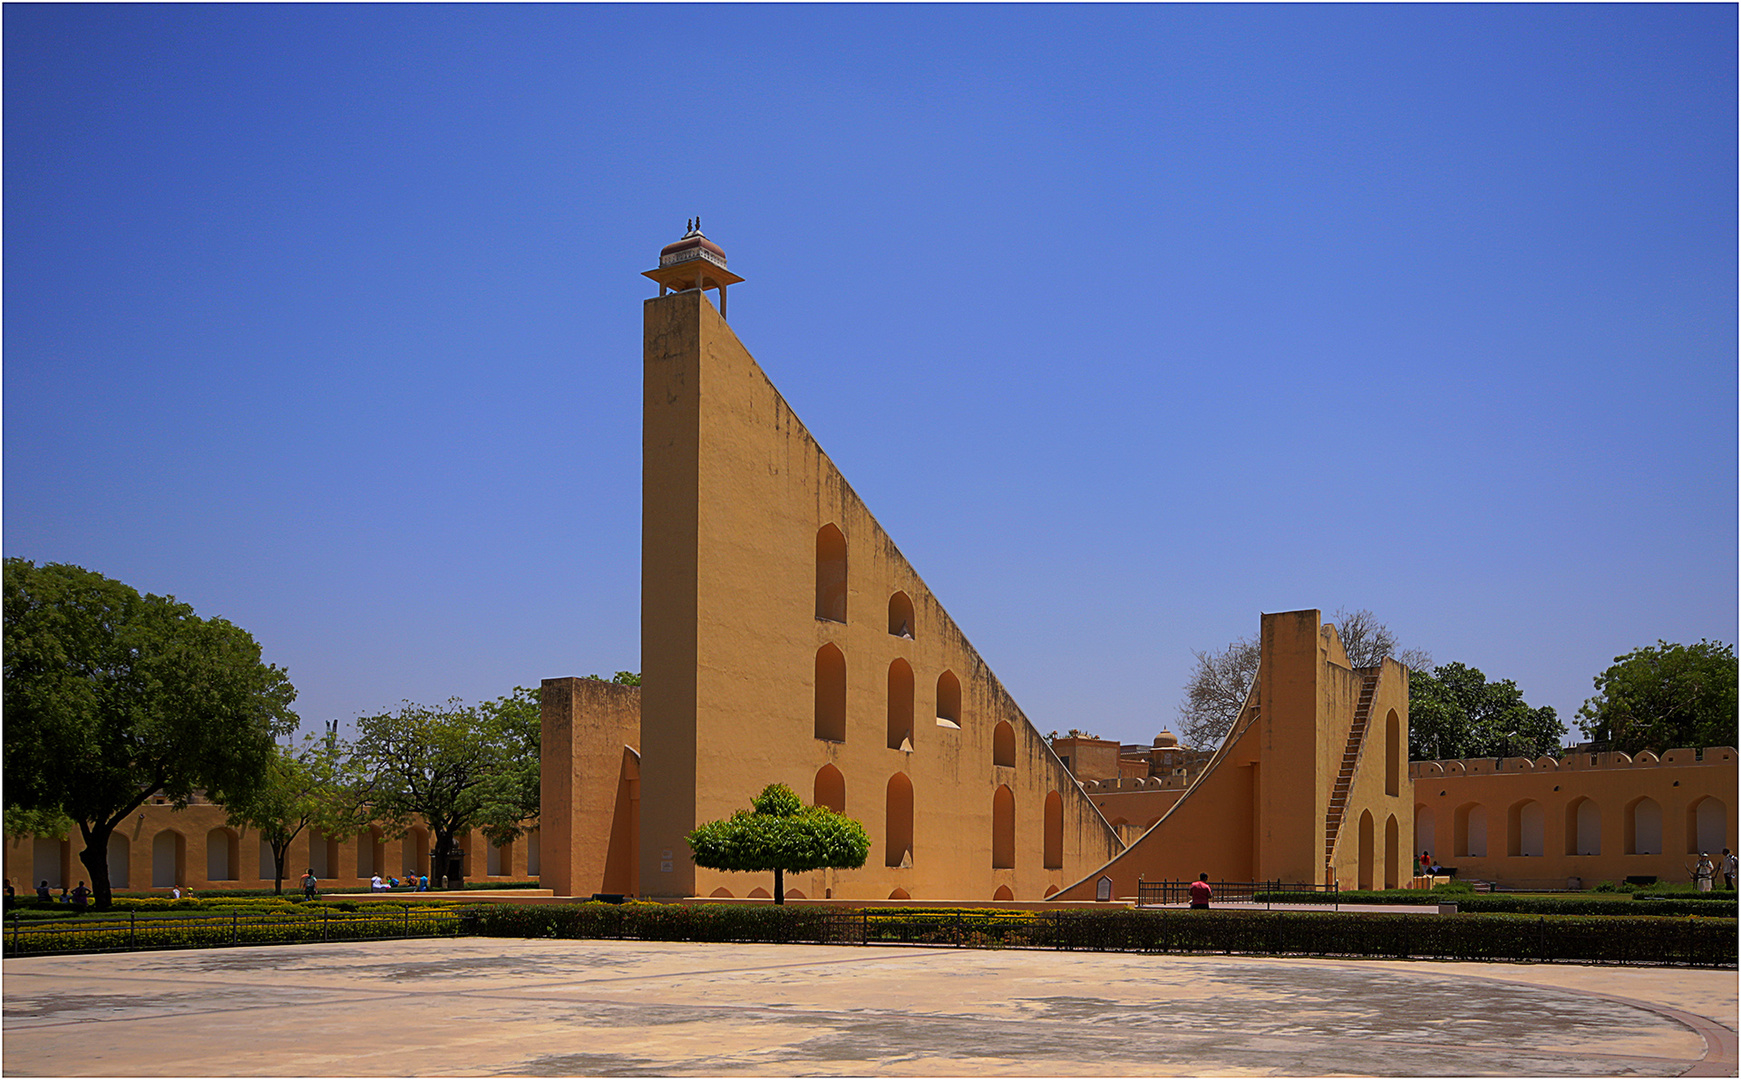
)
(499, 1007)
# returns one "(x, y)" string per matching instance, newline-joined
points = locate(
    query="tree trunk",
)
(443, 858)
(95, 856)
(278, 856)
(779, 886)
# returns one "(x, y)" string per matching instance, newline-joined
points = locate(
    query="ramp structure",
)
(1311, 784)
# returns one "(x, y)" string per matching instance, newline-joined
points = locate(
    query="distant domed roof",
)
(1166, 739)
(691, 246)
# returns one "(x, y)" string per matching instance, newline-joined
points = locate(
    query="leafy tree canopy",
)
(621, 678)
(314, 786)
(1454, 711)
(113, 697)
(780, 833)
(455, 766)
(1665, 696)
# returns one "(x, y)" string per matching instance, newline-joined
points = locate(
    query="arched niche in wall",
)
(1003, 828)
(1708, 828)
(1392, 852)
(830, 693)
(1054, 848)
(948, 700)
(223, 855)
(1366, 855)
(898, 821)
(1583, 827)
(1003, 744)
(901, 616)
(830, 789)
(1470, 832)
(830, 574)
(1394, 763)
(1642, 832)
(900, 705)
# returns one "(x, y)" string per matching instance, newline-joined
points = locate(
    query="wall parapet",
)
(1487, 766)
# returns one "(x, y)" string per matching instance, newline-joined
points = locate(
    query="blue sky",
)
(1129, 322)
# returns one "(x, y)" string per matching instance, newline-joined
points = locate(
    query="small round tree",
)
(780, 833)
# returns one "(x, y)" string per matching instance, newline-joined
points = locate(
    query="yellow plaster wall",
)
(588, 802)
(736, 491)
(1677, 781)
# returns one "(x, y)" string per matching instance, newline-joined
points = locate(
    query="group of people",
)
(1705, 872)
(412, 882)
(79, 896)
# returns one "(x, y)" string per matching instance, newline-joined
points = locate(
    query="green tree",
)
(1455, 712)
(456, 767)
(314, 786)
(113, 697)
(1665, 696)
(780, 833)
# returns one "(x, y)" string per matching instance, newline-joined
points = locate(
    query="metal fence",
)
(127, 931)
(1164, 893)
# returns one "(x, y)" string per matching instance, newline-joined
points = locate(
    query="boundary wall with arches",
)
(1577, 820)
(159, 847)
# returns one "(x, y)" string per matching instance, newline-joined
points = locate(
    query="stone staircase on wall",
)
(1345, 776)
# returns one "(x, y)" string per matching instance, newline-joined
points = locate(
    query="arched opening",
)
(1051, 891)
(168, 859)
(900, 894)
(1707, 827)
(830, 694)
(323, 854)
(830, 574)
(417, 850)
(1392, 854)
(898, 822)
(901, 615)
(48, 860)
(1003, 893)
(1054, 855)
(948, 700)
(721, 893)
(1364, 879)
(1524, 832)
(1643, 827)
(1424, 824)
(759, 893)
(222, 855)
(1393, 754)
(1003, 828)
(1003, 744)
(829, 789)
(1583, 827)
(371, 853)
(500, 860)
(900, 705)
(532, 859)
(1470, 828)
(120, 855)
(796, 894)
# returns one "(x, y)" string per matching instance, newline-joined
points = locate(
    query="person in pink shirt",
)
(1200, 892)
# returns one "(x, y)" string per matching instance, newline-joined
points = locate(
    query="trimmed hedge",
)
(237, 926)
(1720, 905)
(1586, 939)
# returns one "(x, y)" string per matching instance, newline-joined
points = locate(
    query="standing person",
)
(81, 896)
(1729, 868)
(310, 885)
(1200, 893)
(1704, 872)
(10, 895)
(1426, 865)
(175, 892)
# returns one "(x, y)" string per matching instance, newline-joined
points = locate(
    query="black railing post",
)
(324, 912)
(132, 930)
(235, 927)
(407, 923)
(16, 923)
